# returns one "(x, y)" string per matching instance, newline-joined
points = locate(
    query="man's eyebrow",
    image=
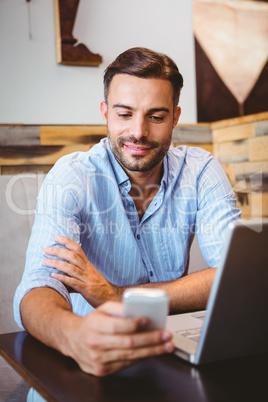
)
(159, 109)
(153, 110)
(122, 106)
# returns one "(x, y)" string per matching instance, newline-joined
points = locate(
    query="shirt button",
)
(151, 273)
(138, 237)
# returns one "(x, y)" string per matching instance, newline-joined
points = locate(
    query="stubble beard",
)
(138, 163)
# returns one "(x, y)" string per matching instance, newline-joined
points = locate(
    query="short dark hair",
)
(145, 63)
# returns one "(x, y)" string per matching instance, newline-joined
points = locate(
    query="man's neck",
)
(144, 186)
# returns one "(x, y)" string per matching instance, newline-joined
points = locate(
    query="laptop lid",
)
(236, 322)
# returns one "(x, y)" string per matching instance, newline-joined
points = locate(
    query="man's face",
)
(140, 117)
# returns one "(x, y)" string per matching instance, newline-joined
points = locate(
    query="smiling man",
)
(123, 214)
(140, 128)
(140, 116)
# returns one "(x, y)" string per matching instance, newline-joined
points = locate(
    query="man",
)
(123, 214)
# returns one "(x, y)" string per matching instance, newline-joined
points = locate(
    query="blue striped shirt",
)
(85, 198)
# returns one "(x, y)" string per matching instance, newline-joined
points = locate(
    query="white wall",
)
(36, 90)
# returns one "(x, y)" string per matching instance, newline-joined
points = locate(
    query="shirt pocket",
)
(174, 247)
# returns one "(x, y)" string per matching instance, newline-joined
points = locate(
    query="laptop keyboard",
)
(193, 334)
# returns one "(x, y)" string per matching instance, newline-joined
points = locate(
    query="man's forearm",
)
(187, 293)
(47, 316)
(190, 292)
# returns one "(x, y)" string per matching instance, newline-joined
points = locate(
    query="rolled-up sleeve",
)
(57, 213)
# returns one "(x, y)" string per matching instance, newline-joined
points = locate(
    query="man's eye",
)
(124, 115)
(157, 119)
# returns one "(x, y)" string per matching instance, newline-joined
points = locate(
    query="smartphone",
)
(150, 303)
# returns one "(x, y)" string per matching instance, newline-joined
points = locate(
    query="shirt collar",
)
(164, 181)
(120, 174)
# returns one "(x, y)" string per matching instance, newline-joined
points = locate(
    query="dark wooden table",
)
(165, 378)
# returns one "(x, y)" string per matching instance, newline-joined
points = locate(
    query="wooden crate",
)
(241, 146)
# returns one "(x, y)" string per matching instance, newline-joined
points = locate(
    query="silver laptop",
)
(235, 322)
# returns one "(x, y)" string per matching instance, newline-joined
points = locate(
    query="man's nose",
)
(139, 127)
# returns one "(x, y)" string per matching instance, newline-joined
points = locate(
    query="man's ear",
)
(176, 116)
(104, 110)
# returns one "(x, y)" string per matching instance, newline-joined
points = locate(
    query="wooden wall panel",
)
(240, 144)
(63, 135)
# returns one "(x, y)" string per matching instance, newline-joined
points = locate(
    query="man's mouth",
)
(135, 149)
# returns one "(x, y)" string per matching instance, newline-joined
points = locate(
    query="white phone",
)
(150, 303)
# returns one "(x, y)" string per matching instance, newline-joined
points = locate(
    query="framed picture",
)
(231, 58)
(70, 52)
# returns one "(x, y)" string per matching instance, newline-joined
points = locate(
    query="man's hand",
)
(83, 277)
(104, 342)
(101, 342)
